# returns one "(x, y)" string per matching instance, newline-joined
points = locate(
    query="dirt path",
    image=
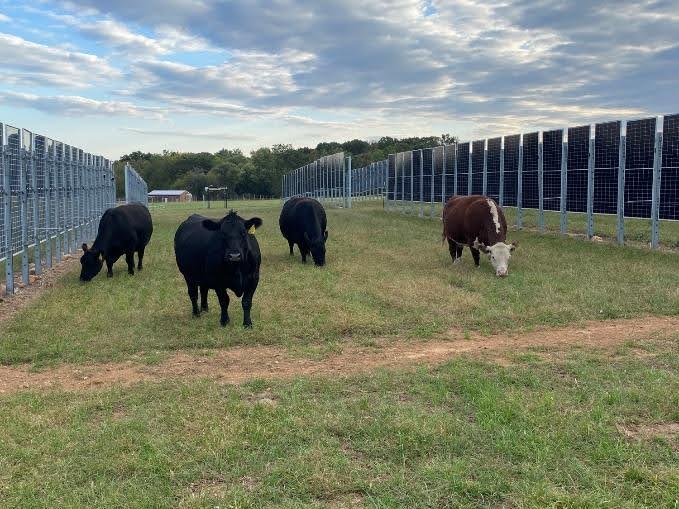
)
(236, 365)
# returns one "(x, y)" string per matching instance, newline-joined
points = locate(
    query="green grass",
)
(539, 433)
(387, 275)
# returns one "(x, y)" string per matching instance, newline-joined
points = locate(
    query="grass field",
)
(386, 276)
(547, 427)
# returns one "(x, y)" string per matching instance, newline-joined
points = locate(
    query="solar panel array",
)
(324, 179)
(571, 170)
(51, 198)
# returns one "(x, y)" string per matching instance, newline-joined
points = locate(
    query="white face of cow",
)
(499, 255)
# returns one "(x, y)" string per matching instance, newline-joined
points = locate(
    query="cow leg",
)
(477, 256)
(203, 297)
(109, 267)
(304, 252)
(452, 249)
(193, 295)
(291, 244)
(140, 256)
(223, 304)
(458, 251)
(129, 259)
(246, 301)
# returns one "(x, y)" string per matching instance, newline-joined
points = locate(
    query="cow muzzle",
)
(232, 257)
(502, 273)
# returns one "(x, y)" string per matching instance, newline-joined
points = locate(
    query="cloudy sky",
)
(113, 77)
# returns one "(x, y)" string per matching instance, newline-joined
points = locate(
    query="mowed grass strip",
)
(546, 431)
(387, 275)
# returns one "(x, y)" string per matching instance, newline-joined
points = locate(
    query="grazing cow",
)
(219, 255)
(303, 222)
(478, 222)
(123, 230)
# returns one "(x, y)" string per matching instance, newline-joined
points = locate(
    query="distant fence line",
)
(136, 189)
(51, 198)
(629, 169)
(331, 179)
(625, 168)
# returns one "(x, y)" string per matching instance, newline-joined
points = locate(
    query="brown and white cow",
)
(478, 222)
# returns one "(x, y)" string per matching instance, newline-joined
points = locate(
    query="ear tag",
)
(252, 230)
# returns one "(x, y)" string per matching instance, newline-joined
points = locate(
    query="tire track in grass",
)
(241, 364)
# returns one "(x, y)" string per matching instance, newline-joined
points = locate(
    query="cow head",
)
(498, 254)
(233, 233)
(317, 247)
(92, 261)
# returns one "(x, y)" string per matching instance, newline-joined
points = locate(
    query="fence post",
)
(590, 185)
(657, 173)
(622, 162)
(57, 200)
(443, 177)
(37, 255)
(563, 199)
(421, 212)
(432, 196)
(519, 186)
(485, 166)
(469, 168)
(541, 184)
(347, 177)
(48, 202)
(7, 205)
(501, 194)
(23, 193)
(455, 170)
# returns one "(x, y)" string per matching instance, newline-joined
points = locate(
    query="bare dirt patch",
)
(241, 364)
(24, 295)
(642, 432)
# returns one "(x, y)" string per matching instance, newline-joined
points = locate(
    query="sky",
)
(201, 75)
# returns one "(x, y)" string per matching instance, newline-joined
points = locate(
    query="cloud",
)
(399, 66)
(189, 134)
(76, 106)
(4, 18)
(30, 64)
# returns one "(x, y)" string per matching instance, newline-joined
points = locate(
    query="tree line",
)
(259, 172)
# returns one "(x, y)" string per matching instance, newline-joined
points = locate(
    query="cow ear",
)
(84, 246)
(325, 235)
(480, 246)
(255, 221)
(211, 225)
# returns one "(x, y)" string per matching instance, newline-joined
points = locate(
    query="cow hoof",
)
(223, 322)
(196, 314)
(247, 325)
(130, 272)
(456, 261)
(140, 268)
(204, 309)
(109, 274)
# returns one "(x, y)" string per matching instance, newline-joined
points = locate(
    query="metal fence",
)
(51, 198)
(370, 181)
(629, 169)
(136, 189)
(331, 179)
(325, 179)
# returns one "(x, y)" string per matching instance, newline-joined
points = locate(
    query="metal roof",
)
(168, 192)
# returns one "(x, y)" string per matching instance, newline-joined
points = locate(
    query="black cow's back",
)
(124, 228)
(302, 215)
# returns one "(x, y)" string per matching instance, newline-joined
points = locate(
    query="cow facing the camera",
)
(478, 222)
(219, 255)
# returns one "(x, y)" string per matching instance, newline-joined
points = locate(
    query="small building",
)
(169, 195)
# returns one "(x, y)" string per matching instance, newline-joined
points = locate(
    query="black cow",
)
(123, 230)
(219, 255)
(303, 222)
